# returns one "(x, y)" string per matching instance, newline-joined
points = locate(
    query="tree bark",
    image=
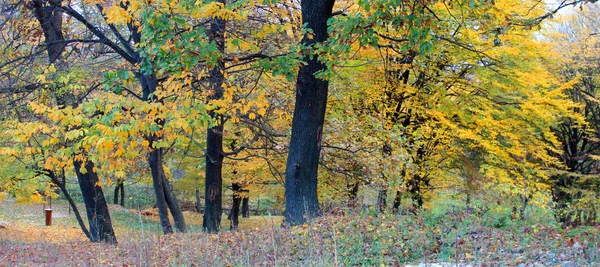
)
(50, 19)
(307, 125)
(214, 136)
(101, 229)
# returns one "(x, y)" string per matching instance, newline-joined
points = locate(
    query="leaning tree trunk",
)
(214, 136)
(165, 199)
(50, 18)
(301, 197)
(61, 185)
(101, 229)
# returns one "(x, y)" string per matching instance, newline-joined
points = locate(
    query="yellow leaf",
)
(145, 143)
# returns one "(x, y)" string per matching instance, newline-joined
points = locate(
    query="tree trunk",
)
(352, 193)
(382, 200)
(235, 207)
(214, 136)
(416, 193)
(173, 205)
(50, 19)
(198, 202)
(307, 125)
(122, 203)
(101, 229)
(72, 205)
(397, 201)
(165, 199)
(245, 205)
(119, 193)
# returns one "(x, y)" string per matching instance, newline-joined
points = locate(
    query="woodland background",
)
(374, 131)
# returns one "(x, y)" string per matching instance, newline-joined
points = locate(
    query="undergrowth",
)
(341, 238)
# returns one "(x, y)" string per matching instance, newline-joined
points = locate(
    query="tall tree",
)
(301, 197)
(50, 18)
(214, 134)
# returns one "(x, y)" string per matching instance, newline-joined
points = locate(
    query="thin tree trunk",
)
(72, 205)
(165, 199)
(301, 196)
(352, 193)
(214, 136)
(245, 205)
(235, 207)
(119, 193)
(173, 205)
(122, 184)
(198, 202)
(397, 202)
(50, 19)
(101, 229)
(155, 161)
(382, 200)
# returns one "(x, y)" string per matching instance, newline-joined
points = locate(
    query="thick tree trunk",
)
(235, 206)
(101, 229)
(245, 205)
(301, 197)
(50, 19)
(214, 180)
(214, 136)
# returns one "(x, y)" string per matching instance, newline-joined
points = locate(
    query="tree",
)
(301, 197)
(574, 189)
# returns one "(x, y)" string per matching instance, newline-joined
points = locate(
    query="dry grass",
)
(351, 239)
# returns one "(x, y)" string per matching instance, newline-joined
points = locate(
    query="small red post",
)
(48, 213)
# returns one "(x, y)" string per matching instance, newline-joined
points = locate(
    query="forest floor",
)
(340, 238)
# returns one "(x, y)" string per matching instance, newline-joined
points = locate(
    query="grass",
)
(344, 238)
